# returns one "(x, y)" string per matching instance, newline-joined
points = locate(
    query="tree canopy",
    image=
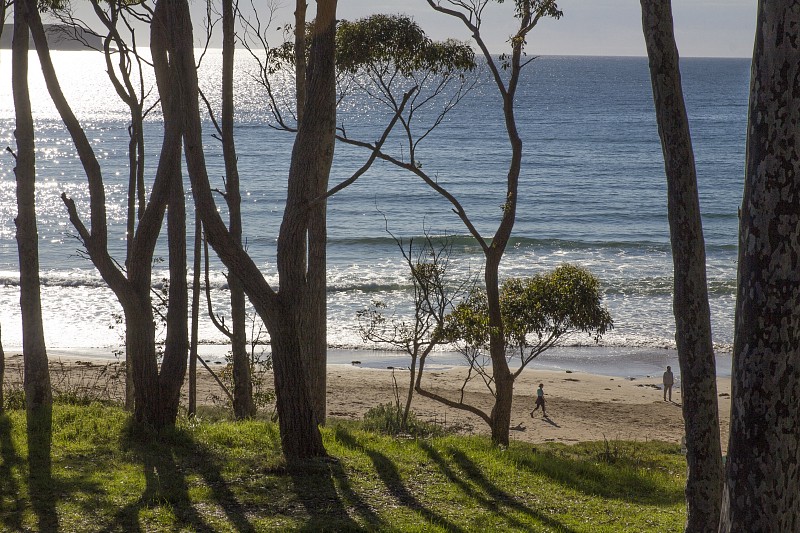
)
(397, 40)
(536, 311)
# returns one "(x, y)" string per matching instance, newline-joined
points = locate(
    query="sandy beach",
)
(581, 406)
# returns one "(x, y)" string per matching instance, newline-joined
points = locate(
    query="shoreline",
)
(614, 361)
(582, 406)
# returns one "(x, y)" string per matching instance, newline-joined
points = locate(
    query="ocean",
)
(592, 193)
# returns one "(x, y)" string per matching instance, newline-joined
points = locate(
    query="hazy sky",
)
(706, 28)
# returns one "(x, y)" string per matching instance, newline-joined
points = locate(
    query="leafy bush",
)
(387, 418)
(14, 398)
(260, 366)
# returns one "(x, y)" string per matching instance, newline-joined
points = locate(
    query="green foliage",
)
(543, 8)
(536, 311)
(14, 398)
(260, 366)
(397, 40)
(387, 418)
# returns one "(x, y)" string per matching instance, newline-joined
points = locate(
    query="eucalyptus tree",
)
(762, 476)
(505, 71)
(690, 294)
(536, 312)
(289, 311)
(36, 376)
(156, 392)
(280, 310)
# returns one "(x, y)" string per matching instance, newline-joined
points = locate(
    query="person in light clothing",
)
(669, 380)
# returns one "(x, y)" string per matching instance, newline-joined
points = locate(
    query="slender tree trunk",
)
(304, 247)
(198, 251)
(243, 405)
(301, 243)
(176, 346)
(762, 484)
(38, 396)
(690, 305)
(316, 316)
(503, 379)
(2, 366)
(300, 56)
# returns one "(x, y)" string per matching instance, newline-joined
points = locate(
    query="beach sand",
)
(581, 406)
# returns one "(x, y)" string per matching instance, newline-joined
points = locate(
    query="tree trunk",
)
(300, 56)
(690, 305)
(303, 236)
(176, 346)
(762, 485)
(144, 367)
(198, 251)
(243, 405)
(503, 379)
(38, 395)
(2, 370)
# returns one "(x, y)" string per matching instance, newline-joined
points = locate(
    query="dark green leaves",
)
(535, 310)
(397, 40)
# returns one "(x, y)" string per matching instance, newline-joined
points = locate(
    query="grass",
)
(230, 476)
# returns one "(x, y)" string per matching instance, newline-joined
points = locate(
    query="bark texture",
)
(762, 485)
(690, 290)
(2, 372)
(36, 379)
(302, 243)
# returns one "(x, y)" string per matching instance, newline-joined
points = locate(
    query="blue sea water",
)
(592, 193)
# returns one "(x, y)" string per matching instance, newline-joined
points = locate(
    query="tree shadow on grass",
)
(315, 485)
(41, 488)
(390, 476)
(490, 497)
(166, 459)
(11, 502)
(608, 481)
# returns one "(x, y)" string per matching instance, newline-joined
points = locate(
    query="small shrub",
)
(260, 366)
(87, 383)
(387, 418)
(14, 398)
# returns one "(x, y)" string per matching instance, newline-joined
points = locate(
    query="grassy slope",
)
(226, 476)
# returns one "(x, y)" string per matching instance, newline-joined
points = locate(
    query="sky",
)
(703, 28)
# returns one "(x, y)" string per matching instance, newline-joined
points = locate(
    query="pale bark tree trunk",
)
(38, 395)
(690, 303)
(2, 365)
(300, 436)
(243, 405)
(762, 484)
(176, 345)
(198, 251)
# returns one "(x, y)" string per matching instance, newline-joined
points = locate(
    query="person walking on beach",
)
(669, 379)
(539, 400)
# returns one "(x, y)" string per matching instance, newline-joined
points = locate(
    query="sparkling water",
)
(592, 193)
